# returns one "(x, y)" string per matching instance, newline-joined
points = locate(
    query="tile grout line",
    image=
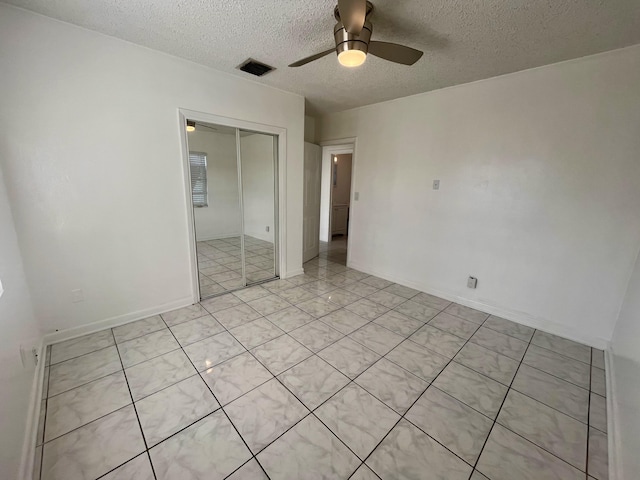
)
(311, 412)
(348, 383)
(546, 405)
(521, 436)
(513, 388)
(221, 408)
(92, 421)
(46, 411)
(495, 420)
(509, 387)
(275, 377)
(413, 403)
(145, 453)
(586, 463)
(144, 439)
(80, 356)
(313, 353)
(417, 398)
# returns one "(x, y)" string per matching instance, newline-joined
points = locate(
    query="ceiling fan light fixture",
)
(191, 126)
(351, 58)
(352, 35)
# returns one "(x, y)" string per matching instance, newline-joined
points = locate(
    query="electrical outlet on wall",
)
(472, 282)
(77, 296)
(436, 184)
(267, 228)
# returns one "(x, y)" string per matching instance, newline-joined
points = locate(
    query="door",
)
(234, 193)
(213, 163)
(258, 173)
(311, 208)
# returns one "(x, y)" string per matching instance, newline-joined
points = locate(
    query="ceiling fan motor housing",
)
(347, 41)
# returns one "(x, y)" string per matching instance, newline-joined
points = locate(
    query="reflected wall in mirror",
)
(218, 220)
(257, 154)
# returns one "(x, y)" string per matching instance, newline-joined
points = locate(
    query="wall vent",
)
(255, 68)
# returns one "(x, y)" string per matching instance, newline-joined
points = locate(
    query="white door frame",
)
(338, 147)
(281, 207)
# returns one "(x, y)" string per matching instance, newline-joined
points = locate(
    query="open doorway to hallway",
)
(334, 251)
(328, 201)
(338, 208)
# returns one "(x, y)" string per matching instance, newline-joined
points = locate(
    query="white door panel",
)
(311, 212)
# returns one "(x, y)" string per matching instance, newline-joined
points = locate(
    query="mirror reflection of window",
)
(198, 167)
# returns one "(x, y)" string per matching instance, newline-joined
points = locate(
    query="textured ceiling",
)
(463, 40)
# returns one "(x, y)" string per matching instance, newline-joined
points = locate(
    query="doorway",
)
(335, 249)
(233, 187)
(335, 170)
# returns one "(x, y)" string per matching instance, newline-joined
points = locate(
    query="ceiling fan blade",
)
(394, 52)
(304, 61)
(352, 15)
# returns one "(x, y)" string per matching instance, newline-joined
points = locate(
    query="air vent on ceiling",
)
(255, 68)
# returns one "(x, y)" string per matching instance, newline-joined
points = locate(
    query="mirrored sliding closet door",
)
(234, 192)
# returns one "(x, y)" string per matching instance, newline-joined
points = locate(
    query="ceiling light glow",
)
(352, 58)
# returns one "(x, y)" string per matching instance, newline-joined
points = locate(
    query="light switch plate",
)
(356, 196)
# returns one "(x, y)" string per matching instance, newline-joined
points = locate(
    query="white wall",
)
(309, 129)
(18, 326)
(625, 349)
(221, 218)
(258, 185)
(538, 198)
(103, 118)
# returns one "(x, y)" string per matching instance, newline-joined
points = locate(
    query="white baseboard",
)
(70, 333)
(219, 237)
(613, 420)
(35, 399)
(293, 273)
(523, 318)
(33, 417)
(266, 237)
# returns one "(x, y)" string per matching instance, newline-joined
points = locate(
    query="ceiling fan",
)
(352, 34)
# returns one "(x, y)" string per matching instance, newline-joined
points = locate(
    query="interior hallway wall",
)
(221, 218)
(309, 129)
(342, 189)
(18, 326)
(538, 195)
(96, 182)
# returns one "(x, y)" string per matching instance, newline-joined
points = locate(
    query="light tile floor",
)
(335, 250)
(220, 263)
(330, 374)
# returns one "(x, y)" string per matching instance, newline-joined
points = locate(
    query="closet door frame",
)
(280, 192)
